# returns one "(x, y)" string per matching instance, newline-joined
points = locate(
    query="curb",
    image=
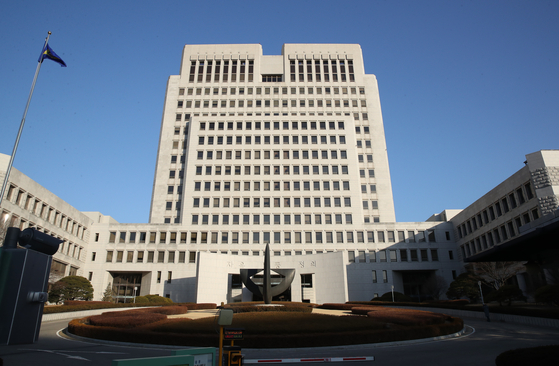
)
(463, 332)
(83, 313)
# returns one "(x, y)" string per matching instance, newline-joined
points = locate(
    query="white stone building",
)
(28, 204)
(254, 149)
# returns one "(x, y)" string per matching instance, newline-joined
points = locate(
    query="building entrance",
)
(126, 286)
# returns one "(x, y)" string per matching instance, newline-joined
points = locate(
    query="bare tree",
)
(3, 227)
(552, 272)
(496, 274)
(436, 286)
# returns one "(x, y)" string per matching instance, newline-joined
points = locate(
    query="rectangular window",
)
(434, 255)
(404, 255)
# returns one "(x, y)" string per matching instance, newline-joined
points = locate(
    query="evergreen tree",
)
(71, 288)
(464, 285)
(108, 294)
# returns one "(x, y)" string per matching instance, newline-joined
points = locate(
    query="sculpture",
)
(266, 290)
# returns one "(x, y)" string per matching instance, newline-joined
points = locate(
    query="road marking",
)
(322, 359)
(62, 354)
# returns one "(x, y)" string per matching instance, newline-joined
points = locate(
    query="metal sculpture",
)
(266, 290)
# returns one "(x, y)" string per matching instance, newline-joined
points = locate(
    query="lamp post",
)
(392, 293)
(135, 291)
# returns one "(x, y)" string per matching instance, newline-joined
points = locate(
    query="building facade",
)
(287, 150)
(28, 204)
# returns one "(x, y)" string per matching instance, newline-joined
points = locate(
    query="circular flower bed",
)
(272, 329)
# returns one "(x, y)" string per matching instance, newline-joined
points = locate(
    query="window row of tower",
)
(276, 90)
(274, 169)
(257, 219)
(277, 186)
(288, 237)
(223, 71)
(274, 103)
(181, 237)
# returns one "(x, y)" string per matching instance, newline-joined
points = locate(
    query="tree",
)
(71, 288)
(108, 294)
(464, 285)
(435, 286)
(3, 227)
(548, 294)
(506, 293)
(496, 274)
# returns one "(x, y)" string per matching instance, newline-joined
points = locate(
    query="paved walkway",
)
(197, 314)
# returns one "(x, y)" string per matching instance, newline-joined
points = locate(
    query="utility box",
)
(24, 275)
(232, 356)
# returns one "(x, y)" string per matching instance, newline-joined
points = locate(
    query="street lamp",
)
(135, 291)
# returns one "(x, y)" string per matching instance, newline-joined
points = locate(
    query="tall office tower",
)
(289, 142)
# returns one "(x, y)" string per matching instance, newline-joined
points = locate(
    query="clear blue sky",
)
(467, 87)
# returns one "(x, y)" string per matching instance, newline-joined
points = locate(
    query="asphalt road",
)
(480, 346)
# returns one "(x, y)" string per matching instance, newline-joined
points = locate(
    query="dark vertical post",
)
(267, 285)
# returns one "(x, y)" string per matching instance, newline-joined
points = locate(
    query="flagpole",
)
(10, 164)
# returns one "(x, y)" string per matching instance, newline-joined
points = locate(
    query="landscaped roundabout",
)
(287, 326)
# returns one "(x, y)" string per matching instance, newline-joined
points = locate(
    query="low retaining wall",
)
(81, 314)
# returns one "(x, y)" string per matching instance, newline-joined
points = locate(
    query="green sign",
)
(157, 361)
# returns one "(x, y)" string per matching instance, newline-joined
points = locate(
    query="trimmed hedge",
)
(260, 309)
(142, 300)
(81, 302)
(94, 305)
(548, 294)
(277, 330)
(168, 310)
(398, 296)
(346, 306)
(408, 317)
(523, 310)
(362, 310)
(544, 355)
(202, 306)
(130, 320)
(252, 307)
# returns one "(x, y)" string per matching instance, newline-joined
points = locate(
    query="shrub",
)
(156, 299)
(548, 294)
(506, 293)
(398, 296)
(203, 306)
(129, 320)
(80, 302)
(142, 300)
(260, 309)
(407, 317)
(362, 310)
(337, 306)
(452, 303)
(168, 310)
(265, 330)
(544, 355)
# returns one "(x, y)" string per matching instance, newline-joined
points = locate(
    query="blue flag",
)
(49, 53)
